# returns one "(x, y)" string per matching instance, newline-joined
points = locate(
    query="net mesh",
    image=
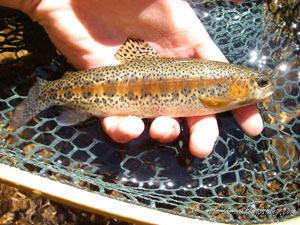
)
(249, 180)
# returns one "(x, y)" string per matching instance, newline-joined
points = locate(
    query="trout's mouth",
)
(266, 93)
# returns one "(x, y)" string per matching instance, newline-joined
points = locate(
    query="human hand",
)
(89, 33)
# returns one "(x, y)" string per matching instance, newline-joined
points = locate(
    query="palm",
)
(88, 33)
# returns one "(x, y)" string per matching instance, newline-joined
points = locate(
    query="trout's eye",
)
(262, 81)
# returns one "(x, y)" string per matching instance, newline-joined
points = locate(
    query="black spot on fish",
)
(86, 94)
(185, 92)
(130, 95)
(58, 85)
(194, 98)
(175, 95)
(68, 95)
(67, 87)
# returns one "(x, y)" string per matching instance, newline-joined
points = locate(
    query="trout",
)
(147, 86)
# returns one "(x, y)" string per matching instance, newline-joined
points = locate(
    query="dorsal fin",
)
(134, 49)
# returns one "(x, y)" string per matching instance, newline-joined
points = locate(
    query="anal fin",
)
(71, 117)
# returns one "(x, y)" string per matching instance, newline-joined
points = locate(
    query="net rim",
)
(95, 203)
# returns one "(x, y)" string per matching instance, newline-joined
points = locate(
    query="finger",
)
(23, 5)
(164, 129)
(123, 129)
(249, 119)
(203, 134)
(11, 4)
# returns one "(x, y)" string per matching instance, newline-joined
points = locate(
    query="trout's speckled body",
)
(147, 86)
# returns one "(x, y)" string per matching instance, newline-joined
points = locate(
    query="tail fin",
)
(34, 103)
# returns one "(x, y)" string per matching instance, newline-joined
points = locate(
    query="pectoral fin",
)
(71, 117)
(215, 103)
